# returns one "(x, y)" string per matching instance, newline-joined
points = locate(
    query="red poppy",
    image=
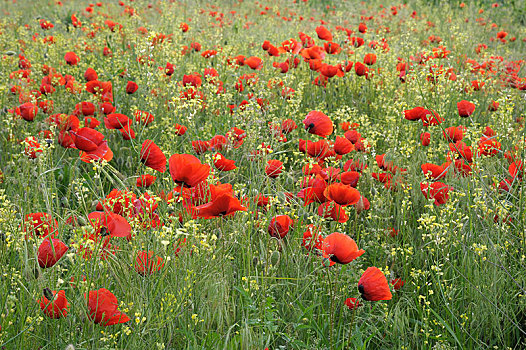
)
(488, 147)
(103, 89)
(397, 283)
(109, 224)
(314, 193)
(342, 194)
(323, 33)
(71, 58)
(352, 303)
(433, 171)
(90, 74)
(274, 168)
(431, 118)
(280, 225)
(54, 304)
(187, 170)
(50, 251)
(425, 138)
(318, 123)
(152, 156)
(146, 263)
(28, 111)
(288, 125)
(200, 146)
(222, 204)
(436, 190)
(462, 149)
(369, 59)
(342, 145)
(218, 142)
(465, 108)
(223, 164)
(102, 308)
(318, 149)
(493, 106)
(146, 181)
(350, 178)
(312, 239)
(373, 285)
(39, 224)
(180, 130)
(454, 133)
(360, 69)
(340, 248)
(415, 114)
(254, 62)
(116, 121)
(334, 211)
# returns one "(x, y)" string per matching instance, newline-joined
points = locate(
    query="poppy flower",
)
(280, 225)
(425, 138)
(350, 178)
(39, 224)
(152, 156)
(493, 106)
(71, 58)
(488, 147)
(312, 239)
(340, 248)
(223, 164)
(288, 125)
(431, 118)
(54, 304)
(415, 114)
(436, 190)
(397, 283)
(28, 111)
(254, 62)
(369, 59)
(131, 87)
(352, 303)
(318, 123)
(200, 146)
(323, 33)
(110, 224)
(465, 108)
(116, 121)
(180, 130)
(314, 193)
(342, 145)
(373, 285)
(102, 308)
(318, 149)
(342, 194)
(187, 170)
(90, 74)
(146, 181)
(433, 171)
(274, 168)
(50, 251)
(334, 211)
(218, 142)
(454, 133)
(224, 204)
(146, 263)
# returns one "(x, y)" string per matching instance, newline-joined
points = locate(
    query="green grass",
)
(233, 286)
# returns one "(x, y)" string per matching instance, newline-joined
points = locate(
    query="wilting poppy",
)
(274, 168)
(152, 156)
(373, 285)
(54, 304)
(50, 251)
(318, 123)
(187, 170)
(342, 194)
(465, 108)
(340, 248)
(102, 308)
(146, 263)
(280, 225)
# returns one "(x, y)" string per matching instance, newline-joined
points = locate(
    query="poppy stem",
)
(351, 327)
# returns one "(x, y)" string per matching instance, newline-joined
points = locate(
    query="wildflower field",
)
(270, 174)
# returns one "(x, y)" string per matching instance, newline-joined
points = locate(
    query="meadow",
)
(267, 174)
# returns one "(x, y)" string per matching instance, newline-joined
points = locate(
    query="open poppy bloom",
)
(323, 33)
(102, 308)
(436, 190)
(373, 285)
(280, 225)
(318, 123)
(224, 204)
(433, 171)
(146, 181)
(274, 168)
(187, 170)
(342, 194)
(39, 224)
(465, 108)
(340, 248)
(54, 304)
(110, 224)
(50, 251)
(331, 210)
(352, 303)
(146, 263)
(152, 156)
(223, 164)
